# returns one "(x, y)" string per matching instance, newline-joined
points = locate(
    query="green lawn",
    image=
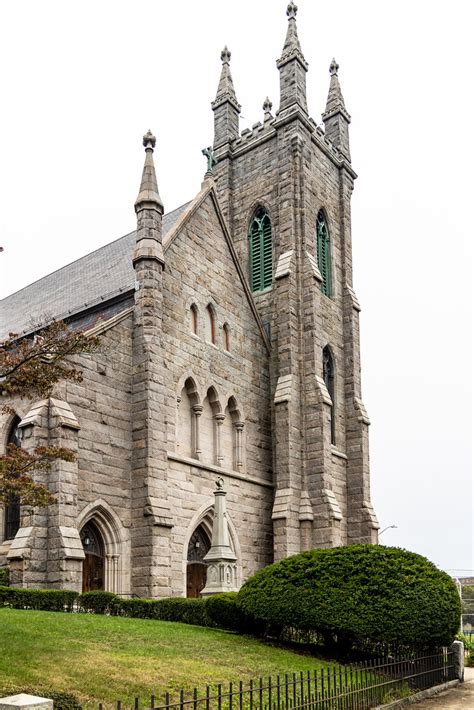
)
(103, 659)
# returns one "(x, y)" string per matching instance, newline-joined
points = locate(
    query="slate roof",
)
(95, 278)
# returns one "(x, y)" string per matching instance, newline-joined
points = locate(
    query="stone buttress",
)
(151, 518)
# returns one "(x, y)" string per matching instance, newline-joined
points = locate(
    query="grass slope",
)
(103, 659)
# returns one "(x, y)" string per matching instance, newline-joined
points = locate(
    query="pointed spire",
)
(149, 209)
(225, 106)
(292, 47)
(225, 89)
(336, 117)
(293, 66)
(149, 187)
(335, 101)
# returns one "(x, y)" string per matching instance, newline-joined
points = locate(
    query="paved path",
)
(459, 698)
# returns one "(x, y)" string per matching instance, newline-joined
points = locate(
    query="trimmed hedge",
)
(188, 611)
(356, 594)
(39, 599)
(225, 612)
(97, 602)
(4, 576)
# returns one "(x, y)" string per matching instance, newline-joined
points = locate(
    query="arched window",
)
(12, 506)
(260, 251)
(226, 336)
(324, 252)
(210, 325)
(328, 376)
(194, 319)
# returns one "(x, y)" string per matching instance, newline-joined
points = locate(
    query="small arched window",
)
(210, 325)
(194, 319)
(226, 336)
(323, 247)
(328, 376)
(12, 505)
(260, 251)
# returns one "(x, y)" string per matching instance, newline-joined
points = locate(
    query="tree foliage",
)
(30, 366)
(357, 594)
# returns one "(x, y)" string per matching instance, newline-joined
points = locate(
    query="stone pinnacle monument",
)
(221, 561)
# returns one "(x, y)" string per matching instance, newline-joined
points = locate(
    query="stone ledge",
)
(417, 697)
(217, 469)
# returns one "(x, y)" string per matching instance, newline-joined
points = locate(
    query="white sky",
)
(82, 81)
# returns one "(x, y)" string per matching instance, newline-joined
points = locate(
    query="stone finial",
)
(149, 188)
(220, 484)
(267, 106)
(225, 55)
(333, 67)
(149, 140)
(291, 10)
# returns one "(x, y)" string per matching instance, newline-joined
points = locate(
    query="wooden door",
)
(196, 578)
(92, 573)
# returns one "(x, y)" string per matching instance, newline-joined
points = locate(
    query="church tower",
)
(285, 188)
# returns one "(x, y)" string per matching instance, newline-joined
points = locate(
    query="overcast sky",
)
(82, 81)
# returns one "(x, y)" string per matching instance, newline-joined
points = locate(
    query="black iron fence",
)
(350, 687)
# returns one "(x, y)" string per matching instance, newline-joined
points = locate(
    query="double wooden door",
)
(196, 578)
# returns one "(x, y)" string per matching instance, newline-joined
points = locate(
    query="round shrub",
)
(356, 594)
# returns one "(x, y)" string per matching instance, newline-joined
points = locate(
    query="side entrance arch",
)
(196, 568)
(93, 567)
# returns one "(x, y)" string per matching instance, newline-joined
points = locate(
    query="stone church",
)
(230, 348)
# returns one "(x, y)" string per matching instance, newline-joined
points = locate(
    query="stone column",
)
(219, 418)
(196, 445)
(457, 648)
(176, 431)
(239, 452)
(221, 561)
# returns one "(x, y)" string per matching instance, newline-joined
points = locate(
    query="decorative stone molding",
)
(283, 389)
(360, 408)
(21, 545)
(71, 543)
(370, 514)
(155, 509)
(324, 396)
(35, 414)
(283, 504)
(353, 297)
(306, 509)
(284, 264)
(314, 267)
(63, 414)
(331, 501)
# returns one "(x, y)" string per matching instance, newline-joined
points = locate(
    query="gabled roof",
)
(91, 280)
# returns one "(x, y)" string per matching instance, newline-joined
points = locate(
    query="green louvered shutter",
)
(260, 251)
(323, 252)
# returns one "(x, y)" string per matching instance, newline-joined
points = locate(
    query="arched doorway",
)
(93, 565)
(196, 568)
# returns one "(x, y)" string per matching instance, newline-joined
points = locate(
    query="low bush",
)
(97, 602)
(357, 594)
(4, 576)
(62, 700)
(39, 599)
(188, 611)
(224, 611)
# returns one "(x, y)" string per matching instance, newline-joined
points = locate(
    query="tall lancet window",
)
(12, 505)
(323, 245)
(328, 376)
(260, 250)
